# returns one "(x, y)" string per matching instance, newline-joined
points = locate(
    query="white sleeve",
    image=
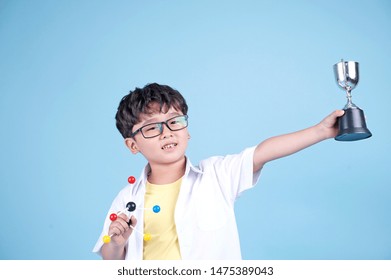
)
(234, 173)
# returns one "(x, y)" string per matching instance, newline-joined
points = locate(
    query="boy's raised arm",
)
(287, 144)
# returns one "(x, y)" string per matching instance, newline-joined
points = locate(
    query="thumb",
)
(132, 224)
(339, 113)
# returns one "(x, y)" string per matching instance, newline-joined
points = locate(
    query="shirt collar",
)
(144, 174)
(191, 167)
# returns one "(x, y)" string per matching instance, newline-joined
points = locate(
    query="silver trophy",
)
(352, 124)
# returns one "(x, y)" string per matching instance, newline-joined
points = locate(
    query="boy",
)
(197, 219)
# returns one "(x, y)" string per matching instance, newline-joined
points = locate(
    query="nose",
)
(166, 132)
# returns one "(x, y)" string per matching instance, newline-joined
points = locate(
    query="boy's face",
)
(166, 148)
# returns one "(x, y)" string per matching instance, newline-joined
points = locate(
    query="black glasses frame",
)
(160, 125)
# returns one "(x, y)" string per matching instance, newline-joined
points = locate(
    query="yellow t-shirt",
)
(164, 242)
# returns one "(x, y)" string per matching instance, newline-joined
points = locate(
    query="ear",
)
(188, 136)
(132, 145)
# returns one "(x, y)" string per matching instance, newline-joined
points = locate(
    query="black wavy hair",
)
(141, 101)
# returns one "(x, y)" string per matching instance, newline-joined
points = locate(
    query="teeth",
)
(168, 146)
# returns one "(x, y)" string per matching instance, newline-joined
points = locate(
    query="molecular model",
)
(130, 207)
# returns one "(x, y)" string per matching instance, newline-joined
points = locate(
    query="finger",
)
(129, 221)
(123, 217)
(123, 220)
(133, 220)
(120, 224)
(115, 229)
(130, 230)
(339, 113)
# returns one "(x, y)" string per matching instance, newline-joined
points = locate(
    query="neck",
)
(167, 173)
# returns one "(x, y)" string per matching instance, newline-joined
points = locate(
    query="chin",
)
(171, 159)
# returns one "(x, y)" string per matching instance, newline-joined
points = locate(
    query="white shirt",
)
(204, 213)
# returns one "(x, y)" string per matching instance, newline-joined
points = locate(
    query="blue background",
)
(248, 69)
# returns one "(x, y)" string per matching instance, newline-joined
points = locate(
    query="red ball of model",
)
(113, 217)
(131, 180)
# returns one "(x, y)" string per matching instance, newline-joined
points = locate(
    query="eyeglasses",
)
(155, 129)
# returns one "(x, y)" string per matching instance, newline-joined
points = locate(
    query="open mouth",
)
(169, 146)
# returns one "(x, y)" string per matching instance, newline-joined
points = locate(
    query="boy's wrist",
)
(323, 132)
(113, 251)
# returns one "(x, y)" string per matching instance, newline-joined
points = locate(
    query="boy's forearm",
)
(287, 144)
(110, 252)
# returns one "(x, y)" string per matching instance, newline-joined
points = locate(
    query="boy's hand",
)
(329, 125)
(121, 229)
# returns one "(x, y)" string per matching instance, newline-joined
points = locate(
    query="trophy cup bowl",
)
(346, 74)
(352, 125)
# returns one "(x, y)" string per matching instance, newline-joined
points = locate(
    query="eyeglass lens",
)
(155, 129)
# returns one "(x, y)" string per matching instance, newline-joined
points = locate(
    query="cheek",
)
(149, 147)
(184, 136)
(185, 141)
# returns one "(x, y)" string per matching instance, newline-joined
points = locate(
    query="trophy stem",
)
(349, 104)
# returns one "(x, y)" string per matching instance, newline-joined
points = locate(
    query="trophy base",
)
(352, 126)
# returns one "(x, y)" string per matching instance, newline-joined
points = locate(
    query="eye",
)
(150, 128)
